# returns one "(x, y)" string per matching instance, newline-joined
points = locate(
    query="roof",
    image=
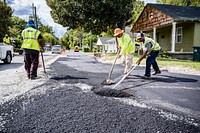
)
(105, 40)
(179, 13)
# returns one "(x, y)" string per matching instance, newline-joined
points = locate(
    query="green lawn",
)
(165, 62)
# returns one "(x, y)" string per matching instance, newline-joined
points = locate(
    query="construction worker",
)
(137, 46)
(32, 44)
(7, 40)
(151, 50)
(126, 47)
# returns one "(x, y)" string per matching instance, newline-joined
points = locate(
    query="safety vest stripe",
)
(31, 38)
(24, 35)
(35, 34)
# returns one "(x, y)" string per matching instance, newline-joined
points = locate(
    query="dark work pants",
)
(31, 64)
(151, 60)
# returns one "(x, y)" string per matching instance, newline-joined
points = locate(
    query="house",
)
(175, 28)
(107, 44)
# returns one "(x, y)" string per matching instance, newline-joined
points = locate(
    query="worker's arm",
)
(147, 48)
(40, 42)
(142, 57)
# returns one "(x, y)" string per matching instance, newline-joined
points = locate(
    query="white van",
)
(57, 49)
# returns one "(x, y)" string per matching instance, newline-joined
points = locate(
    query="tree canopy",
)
(92, 15)
(180, 2)
(5, 15)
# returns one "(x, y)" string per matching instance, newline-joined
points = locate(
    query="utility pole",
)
(33, 9)
(34, 14)
(36, 18)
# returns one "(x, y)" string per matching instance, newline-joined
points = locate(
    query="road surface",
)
(66, 102)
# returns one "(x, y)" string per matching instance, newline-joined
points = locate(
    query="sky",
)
(23, 8)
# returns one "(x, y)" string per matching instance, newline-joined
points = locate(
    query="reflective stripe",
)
(155, 46)
(27, 38)
(30, 38)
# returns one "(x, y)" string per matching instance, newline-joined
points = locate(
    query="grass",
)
(165, 62)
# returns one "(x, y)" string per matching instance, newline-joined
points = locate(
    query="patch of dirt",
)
(183, 70)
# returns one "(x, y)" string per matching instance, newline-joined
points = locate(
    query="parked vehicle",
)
(76, 49)
(57, 49)
(6, 53)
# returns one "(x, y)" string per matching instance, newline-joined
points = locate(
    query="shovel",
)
(108, 81)
(43, 64)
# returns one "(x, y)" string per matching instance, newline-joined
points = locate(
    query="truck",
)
(6, 53)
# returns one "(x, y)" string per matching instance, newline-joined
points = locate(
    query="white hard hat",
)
(139, 35)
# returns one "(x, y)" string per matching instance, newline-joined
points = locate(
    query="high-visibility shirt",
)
(30, 39)
(155, 45)
(6, 40)
(126, 44)
(137, 43)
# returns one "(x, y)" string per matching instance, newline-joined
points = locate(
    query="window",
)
(179, 34)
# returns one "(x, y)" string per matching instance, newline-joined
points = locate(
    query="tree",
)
(137, 9)
(47, 29)
(92, 15)
(180, 2)
(17, 26)
(49, 39)
(5, 15)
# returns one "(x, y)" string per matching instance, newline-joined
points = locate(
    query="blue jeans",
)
(151, 60)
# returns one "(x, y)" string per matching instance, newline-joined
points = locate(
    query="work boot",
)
(33, 77)
(146, 77)
(157, 72)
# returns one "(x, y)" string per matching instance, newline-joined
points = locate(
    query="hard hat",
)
(6, 34)
(139, 35)
(31, 24)
(118, 31)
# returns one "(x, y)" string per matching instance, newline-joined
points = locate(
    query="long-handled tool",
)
(125, 76)
(108, 81)
(43, 64)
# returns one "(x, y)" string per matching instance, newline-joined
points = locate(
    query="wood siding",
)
(149, 18)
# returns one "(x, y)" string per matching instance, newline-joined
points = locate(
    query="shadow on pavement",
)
(10, 66)
(67, 77)
(165, 78)
(171, 79)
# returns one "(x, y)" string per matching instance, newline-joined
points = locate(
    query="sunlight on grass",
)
(164, 62)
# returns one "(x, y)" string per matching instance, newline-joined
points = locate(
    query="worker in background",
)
(126, 47)
(138, 46)
(7, 40)
(32, 44)
(151, 50)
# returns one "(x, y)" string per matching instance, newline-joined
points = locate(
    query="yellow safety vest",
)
(155, 46)
(126, 45)
(6, 40)
(30, 39)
